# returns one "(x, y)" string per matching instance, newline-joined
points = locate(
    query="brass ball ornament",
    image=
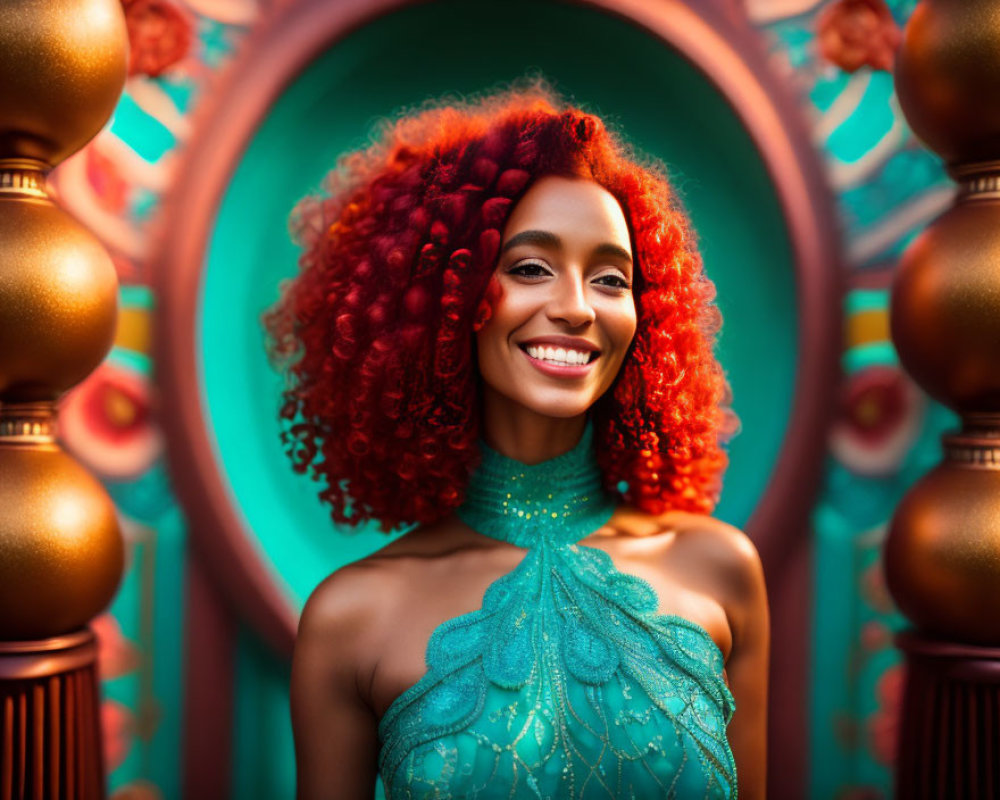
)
(942, 555)
(61, 552)
(63, 65)
(943, 308)
(58, 300)
(947, 75)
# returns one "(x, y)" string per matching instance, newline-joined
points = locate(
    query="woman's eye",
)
(616, 281)
(529, 269)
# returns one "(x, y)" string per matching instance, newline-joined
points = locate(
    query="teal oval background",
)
(635, 81)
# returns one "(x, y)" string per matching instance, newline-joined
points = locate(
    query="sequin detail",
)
(567, 683)
(559, 501)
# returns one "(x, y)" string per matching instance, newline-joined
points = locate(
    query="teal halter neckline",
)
(557, 502)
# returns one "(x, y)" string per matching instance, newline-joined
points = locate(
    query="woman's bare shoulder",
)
(730, 555)
(359, 596)
(723, 549)
(728, 540)
(346, 606)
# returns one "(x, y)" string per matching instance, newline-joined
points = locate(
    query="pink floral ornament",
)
(159, 35)
(875, 636)
(117, 724)
(856, 33)
(116, 655)
(880, 415)
(107, 423)
(875, 591)
(883, 725)
(110, 188)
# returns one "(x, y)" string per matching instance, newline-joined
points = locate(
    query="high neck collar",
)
(558, 501)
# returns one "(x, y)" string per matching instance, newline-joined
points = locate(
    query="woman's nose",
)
(570, 304)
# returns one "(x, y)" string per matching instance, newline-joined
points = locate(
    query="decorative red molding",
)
(209, 684)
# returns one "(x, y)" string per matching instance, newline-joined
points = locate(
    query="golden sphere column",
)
(62, 69)
(942, 555)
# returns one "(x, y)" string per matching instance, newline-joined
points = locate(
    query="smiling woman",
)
(502, 333)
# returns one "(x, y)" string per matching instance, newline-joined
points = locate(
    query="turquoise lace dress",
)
(567, 683)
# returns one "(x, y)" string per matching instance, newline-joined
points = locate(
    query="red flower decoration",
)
(874, 589)
(159, 35)
(107, 423)
(857, 33)
(110, 188)
(117, 725)
(115, 654)
(875, 636)
(879, 419)
(883, 725)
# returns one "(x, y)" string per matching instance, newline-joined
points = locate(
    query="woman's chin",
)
(559, 407)
(519, 397)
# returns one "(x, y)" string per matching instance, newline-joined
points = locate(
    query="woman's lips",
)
(559, 370)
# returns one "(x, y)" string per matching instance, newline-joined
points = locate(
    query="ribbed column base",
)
(949, 746)
(50, 742)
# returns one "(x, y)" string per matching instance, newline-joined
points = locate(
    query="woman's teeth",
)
(558, 355)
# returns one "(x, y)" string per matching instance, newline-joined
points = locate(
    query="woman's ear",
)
(485, 309)
(483, 314)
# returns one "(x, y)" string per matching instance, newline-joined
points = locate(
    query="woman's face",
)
(566, 316)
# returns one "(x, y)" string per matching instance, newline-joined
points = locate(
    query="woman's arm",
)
(747, 667)
(720, 561)
(336, 743)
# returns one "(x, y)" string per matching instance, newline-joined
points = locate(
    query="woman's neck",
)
(525, 435)
(552, 503)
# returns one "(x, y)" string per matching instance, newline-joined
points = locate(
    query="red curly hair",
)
(375, 334)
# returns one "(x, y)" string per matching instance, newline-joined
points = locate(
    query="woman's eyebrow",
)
(609, 250)
(540, 238)
(550, 240)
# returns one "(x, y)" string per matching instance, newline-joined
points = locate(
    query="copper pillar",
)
(942, 555)
(62, 69)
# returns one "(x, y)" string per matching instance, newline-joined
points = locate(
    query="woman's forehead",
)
(568, 210)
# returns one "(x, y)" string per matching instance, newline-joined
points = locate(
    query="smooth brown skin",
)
(363, 634)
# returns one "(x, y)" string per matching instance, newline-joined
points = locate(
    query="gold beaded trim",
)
(28, 423)
(977, 181)
(981, 187)
(19, 180)
(971, 452)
